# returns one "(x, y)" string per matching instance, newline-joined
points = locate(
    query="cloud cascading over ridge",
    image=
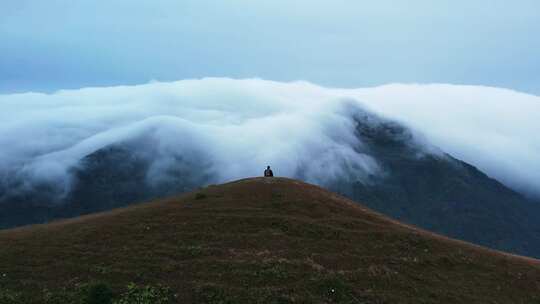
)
(240, 126)
(497, 130)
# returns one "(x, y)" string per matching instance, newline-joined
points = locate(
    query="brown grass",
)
(262, 240)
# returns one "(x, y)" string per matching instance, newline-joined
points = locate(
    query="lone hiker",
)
(268, 172)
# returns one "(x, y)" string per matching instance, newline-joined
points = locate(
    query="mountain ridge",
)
(392, 171)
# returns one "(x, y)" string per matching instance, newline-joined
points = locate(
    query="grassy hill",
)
(257, 240)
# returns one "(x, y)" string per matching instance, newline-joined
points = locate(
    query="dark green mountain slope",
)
(443, 194)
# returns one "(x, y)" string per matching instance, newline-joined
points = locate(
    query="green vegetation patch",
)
(146, 295)
(200, 196)
(95, 293)
(10, 297)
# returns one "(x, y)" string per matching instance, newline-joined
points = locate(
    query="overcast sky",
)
(58, 44)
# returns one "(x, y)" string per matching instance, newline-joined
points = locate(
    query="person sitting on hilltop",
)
(268, 172)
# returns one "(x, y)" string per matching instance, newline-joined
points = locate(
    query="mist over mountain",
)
(438, 156)
(242, 125)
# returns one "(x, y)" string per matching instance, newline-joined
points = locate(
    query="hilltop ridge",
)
(261, 240)
(388, 168)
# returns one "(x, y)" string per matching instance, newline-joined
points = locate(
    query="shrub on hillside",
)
(9, 297)
(146, 295)
(98, 294)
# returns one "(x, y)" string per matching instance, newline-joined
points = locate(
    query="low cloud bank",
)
(497, 130)
(237, 127)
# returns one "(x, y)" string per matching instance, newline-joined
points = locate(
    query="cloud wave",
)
(240, 126)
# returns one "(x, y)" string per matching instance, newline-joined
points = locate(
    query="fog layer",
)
(237, 127)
